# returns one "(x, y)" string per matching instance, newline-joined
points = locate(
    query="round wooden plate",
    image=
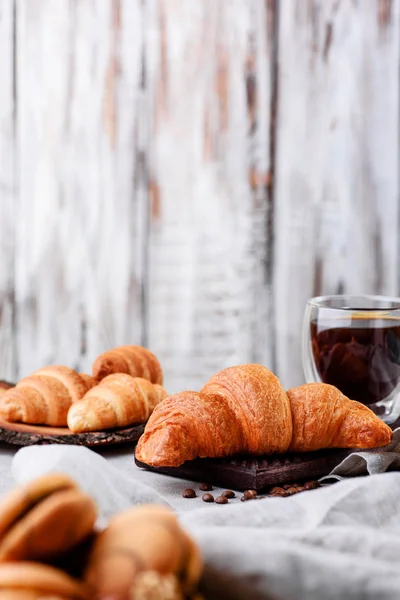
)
(20, 434)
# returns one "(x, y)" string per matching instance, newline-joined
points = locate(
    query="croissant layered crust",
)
(132, 360)
(259, 403)
(244, 410)
(45, 396)
(117, 401)
(323, 417)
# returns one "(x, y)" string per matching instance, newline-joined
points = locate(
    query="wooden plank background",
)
(186, 174)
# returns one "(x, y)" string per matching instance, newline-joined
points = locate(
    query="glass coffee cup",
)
(353, 343)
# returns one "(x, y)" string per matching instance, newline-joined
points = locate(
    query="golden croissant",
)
(44, 397)
(133, 360)
(117, 401)
(323, 417)
(245, 410)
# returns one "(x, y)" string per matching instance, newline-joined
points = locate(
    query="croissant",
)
(133, 360)
(241, 409)
(117, 401)
(323, 417)
(140, 541)
(244, 410)
(44, 397)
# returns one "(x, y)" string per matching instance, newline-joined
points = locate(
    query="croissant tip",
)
(9, 411)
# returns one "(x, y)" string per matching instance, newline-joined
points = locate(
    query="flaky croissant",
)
(241, 409)
(323, 417)
(44, 397)
(117, 401)
(142, 540)
(133, 360)
(244, 410)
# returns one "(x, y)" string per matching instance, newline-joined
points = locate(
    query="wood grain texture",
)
(7, 190)
(81, 213)
(157, 187)
(20, 434)
(210, 77)
(336, 220)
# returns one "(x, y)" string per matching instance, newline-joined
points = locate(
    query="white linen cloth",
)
(341, 541)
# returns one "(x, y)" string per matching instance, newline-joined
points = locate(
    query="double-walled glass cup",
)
(353, 342)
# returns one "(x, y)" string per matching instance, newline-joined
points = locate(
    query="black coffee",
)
(362, 358)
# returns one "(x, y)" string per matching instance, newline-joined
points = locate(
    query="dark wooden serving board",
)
(259, 473)
(21, 434)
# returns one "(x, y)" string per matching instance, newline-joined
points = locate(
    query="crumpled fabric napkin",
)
(369, 462)
(336, 542)
(111, 488)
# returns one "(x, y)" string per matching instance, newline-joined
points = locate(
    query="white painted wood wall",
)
(186, 174)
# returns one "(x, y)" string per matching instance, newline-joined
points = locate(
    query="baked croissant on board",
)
(117, 401)
(245, 410)
(133, 360)
(45, 396)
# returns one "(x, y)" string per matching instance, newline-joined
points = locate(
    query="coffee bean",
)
(221, 500)
(277, 490)
(229, 494)
(281, 494)
(250, 494)
(292, 490)
(297, 485)
(189, 493)
(287, 486)
(207, 498)
(205, 487)
(311, 485)
(244, 499)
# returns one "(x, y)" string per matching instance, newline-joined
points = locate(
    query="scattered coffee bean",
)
(229, 494)
(292, 490)
(281, 494)
(297, 485)
(207, 498)
(189, 493)
(244, 499)
(205, 487)
(311, 485)
(287, 486)
(277, 490)
(250, 494)
(221, 500)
